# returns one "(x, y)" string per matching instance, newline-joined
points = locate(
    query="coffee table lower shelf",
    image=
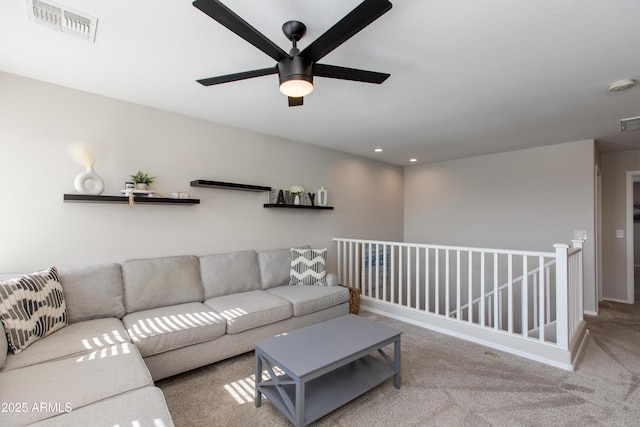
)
(328, 392)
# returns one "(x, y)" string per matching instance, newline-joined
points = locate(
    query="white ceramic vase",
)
(296, 201)
(89, 182)
(322, 197)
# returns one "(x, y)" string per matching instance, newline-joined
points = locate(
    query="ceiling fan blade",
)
(363, 15)
(295, 101)
(233, 22)
(237, 76)
(344, 73)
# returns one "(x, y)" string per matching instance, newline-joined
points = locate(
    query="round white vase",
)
(89, 182)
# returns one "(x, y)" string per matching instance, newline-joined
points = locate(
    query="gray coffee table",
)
(325, 366)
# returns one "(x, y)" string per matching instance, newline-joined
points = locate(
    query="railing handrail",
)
(500, 288)
(453, 248)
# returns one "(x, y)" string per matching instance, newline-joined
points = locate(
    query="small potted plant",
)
(142, 180)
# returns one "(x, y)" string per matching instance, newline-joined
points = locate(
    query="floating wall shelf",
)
(228, 185)
(125, 199)
(280, 205)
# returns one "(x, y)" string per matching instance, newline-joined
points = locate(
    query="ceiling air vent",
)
(632, 123)
(62, 18)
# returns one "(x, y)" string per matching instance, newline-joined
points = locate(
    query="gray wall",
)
(614, 251)
(528, 199)
(39, 121)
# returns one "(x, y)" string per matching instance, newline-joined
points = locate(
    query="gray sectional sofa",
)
(146, 319)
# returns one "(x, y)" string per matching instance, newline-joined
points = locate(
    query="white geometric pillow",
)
(32, 307)
(308, 267)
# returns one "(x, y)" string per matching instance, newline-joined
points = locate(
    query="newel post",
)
(579, 292)
(562, 290)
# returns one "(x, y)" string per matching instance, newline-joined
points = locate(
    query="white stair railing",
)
(469, 292)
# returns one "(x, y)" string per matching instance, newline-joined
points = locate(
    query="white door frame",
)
(631, 177)
(598, 234)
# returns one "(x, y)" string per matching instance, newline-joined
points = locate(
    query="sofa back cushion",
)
(160, 282)
(275, 267)
(229, 273)
(93, 292)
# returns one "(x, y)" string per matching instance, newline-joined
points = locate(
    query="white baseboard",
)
(622, 301)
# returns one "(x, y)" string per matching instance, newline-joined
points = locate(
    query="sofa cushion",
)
(248, 310)
(309, 299)
(308, 267)
(167, 328)
(74, 340)
(160, 282)
(141, 407)
(31, 307)
(275, 267)
(229, 273)
(93, 292)
(73, 382)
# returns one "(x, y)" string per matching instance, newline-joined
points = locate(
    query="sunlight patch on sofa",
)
(115, 350)
(104, 340)
(149, 327)
(233, 313)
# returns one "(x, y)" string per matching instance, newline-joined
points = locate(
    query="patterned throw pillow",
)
(308, 267)
(32, 307)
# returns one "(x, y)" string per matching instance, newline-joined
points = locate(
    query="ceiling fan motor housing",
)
(295, 68)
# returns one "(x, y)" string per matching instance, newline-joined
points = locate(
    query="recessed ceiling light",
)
(378, 150)
(413, 160)
(621, 85)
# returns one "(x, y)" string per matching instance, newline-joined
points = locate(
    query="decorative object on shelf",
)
(281, 199)
(322, 197)
(312, 197)
(142, 180)
(129, 185)
(88, 182)
(298, 191)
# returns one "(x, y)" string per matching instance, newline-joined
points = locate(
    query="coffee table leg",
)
(396, 362)
(258, 380)
(300, 403)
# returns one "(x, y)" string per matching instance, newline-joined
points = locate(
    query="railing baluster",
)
(427, 288)
(525, 297)
(436, 299)
(470, 289)
(408, 276)
(393, 273)
(377, 262)
(447, 285)
(417, 281)
(482, 295)
(458, 287)
(510, 293)
(542, 300)
(496, 306)
(385, 273)
(400, 278)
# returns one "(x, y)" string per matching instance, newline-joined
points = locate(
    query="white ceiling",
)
(468, 77)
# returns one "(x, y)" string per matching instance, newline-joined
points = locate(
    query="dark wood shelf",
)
(125, 199)
(280, 205)
(228, 185)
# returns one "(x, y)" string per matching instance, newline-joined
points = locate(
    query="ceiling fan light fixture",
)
(296, 88)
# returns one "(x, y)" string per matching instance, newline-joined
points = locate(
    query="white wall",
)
(527, 199)
(38, 122)
(614, 251)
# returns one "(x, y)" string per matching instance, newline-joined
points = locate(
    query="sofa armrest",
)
(332, 279)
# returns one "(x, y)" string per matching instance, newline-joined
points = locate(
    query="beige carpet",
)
(448, 382)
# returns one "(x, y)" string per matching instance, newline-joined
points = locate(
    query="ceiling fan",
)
(297, 69)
